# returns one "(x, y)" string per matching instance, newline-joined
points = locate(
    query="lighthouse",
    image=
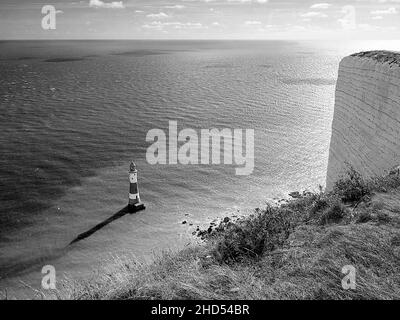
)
(134, 204)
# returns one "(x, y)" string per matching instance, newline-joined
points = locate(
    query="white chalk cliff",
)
(366, 120)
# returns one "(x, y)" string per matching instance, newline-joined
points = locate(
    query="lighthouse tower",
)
(134, 198)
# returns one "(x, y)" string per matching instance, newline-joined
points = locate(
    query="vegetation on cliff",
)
(292, 251)
(381, 56)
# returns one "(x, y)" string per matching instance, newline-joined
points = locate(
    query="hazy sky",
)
(203, 19)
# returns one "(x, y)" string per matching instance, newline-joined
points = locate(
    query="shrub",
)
(352, 187)
(334, 213)
(319, 203)
(263, 231)
(383, 217)
(364, 216)
(383, 184)
(309, 207)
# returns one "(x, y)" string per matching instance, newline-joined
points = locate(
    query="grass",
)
(293, 251)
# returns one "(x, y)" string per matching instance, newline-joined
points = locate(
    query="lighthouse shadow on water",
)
(134, 205)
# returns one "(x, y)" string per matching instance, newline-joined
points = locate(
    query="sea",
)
(73, 114)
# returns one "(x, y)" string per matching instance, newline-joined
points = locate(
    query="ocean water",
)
(74, 113)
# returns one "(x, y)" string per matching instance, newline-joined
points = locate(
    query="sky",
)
(202, 19)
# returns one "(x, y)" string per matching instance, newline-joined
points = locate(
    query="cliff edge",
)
(366, 121)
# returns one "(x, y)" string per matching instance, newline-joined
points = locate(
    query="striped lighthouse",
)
(134, 198)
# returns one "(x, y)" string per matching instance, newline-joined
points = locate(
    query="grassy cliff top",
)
(380, 56)
(293, 251)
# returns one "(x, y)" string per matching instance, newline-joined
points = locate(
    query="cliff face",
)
(366, 121)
